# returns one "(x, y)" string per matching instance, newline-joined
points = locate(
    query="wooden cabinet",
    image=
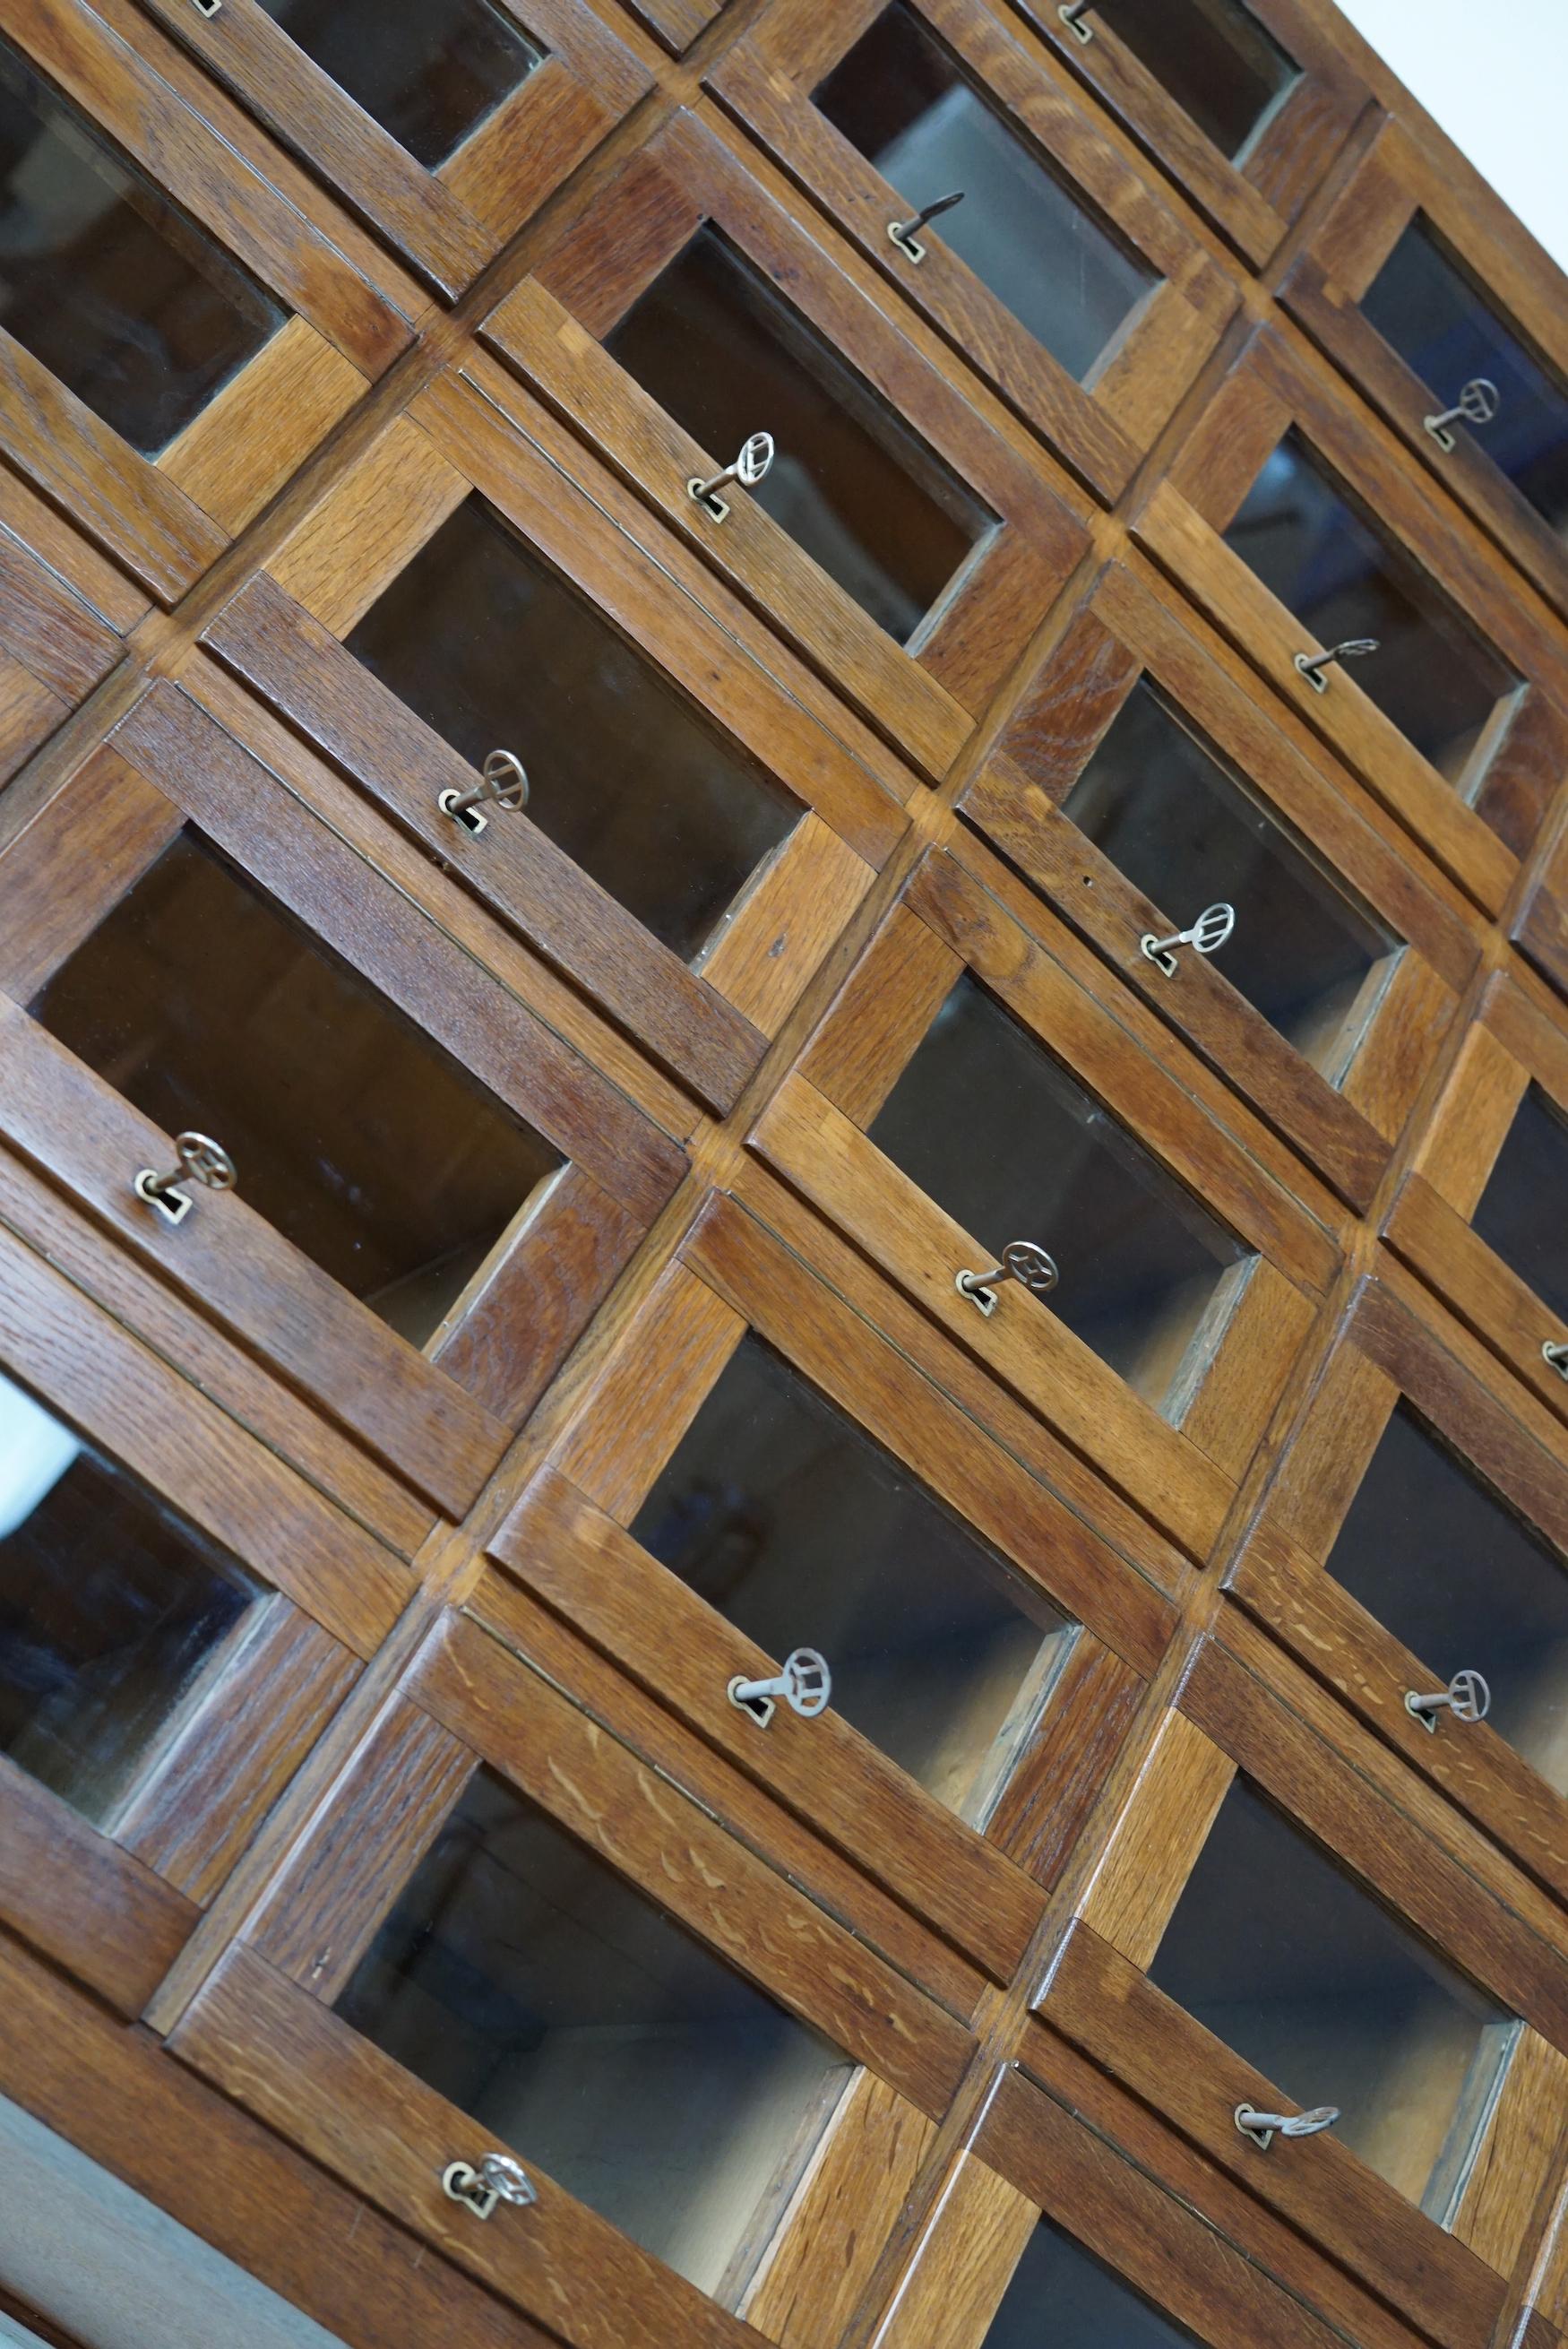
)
(782, 1410)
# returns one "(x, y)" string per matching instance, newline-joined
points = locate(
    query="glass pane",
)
(1308, 1980)
(1446, 331)
(207, 1007)
(527, 1982)
(130, 304)
(713, 343)
(1465, 1585)
(1521, 1210)
(1002, 1138)
(1187, 832)
(781, 1514)
(110, 1605)
(1431, 677)
(494, 651)
(428, 74)
(1062, 2297)
(1213, 56)
(899, 97)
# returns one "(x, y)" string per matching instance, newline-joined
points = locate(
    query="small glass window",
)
(491, 648)
(1307, 1979)
(355, 1133)
(718, 349)
(428, 74)
(1062, 2297)
(1187, 831)
(523, 1980)
(899, 98)
(1521, 1210)
(1000, 1136)
(112, 1608)
(1213, 56)
(1464, 1584)
(1431, 677)
(1447, 332)
(104, 281)
(781, 1514)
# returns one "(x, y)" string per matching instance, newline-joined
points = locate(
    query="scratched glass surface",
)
(104, 281)
(112, 1609)
(903, 101)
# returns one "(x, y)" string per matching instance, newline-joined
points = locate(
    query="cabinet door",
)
(1141, 779)
(167, 368)
(1004, 1102)
(690, 839)
(759, 1470)
(1418, 1532)
(1061, 275)
(898, 539)
(1421, 283)
(1244, 102)
(1298, 526)
(693, 2021)
(167, 1587)
(434, 1190)
(1300, 1947)
(446, 129)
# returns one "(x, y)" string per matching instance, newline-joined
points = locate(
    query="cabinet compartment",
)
(106, 281)
(1218, 62)
(1464, 1584)
(355, 1135)
(430, 79)
(1000, 1136)
(524, 1980)
(114, 1610)
(1520, 1213)
(903, 102)
(1431, 677)
(778, 1511)
(726, 357)
(1061, 2292)
(1186, 830)
(489, 645)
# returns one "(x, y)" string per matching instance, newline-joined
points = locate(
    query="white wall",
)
(1494, 73)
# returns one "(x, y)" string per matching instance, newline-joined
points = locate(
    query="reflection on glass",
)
(493, 649)
(1431, 677)
(1213, 56)
(718, 349)
(899, 98)
(1309, 1981)
(1465, 1585)
(523, 1980)
(1187, 832)
(1002, 1138)
(1062, 2297)
(207, 1007)
(428, 74)
(1521, 1210)
(110, 1606)
(126, 301)
(1446, 333)
(782, 1515)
